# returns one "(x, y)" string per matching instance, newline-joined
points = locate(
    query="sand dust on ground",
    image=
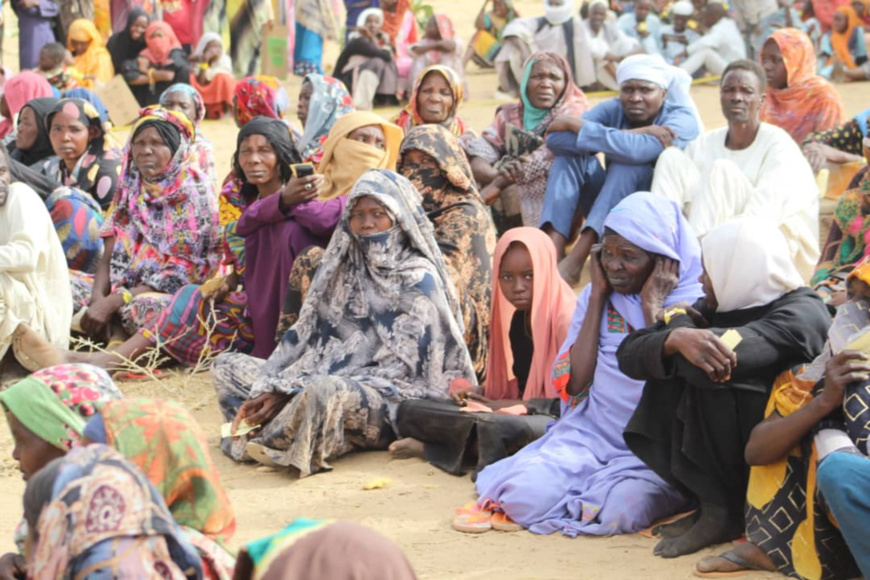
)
(416, 508)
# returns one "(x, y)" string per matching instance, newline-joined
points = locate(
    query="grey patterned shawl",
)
(381, 311)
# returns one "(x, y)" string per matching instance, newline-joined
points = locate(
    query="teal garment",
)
(532, 116)
(273, 545)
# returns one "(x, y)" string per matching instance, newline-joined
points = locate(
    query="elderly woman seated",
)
(380, 325)
(435, 100)
(581, 478)
(161, 234)
(510, 160)
(709, 369)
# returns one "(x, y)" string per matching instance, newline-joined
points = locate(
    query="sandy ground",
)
(416, 508)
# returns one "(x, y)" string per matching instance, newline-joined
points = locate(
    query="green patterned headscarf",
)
(55, 403)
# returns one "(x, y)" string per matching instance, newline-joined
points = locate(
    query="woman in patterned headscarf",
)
(92, 514)
(183, 97)
(83, 157)
(322, 101)
(435, 163)
(176, 459)
(435, 100)
(161, 232)
(513, 145)
(259, 96)
(381, 324)
(46, 413)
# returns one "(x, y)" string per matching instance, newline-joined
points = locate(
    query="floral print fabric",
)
(462, 225)
(166, 231)
(101, 516)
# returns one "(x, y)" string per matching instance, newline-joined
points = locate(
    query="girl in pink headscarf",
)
(531, 314)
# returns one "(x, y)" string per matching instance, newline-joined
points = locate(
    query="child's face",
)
(47, 62)
(213, 50)
(516, 277)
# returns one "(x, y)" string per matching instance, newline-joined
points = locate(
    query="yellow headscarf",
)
(861, 271)
(96, 61)
(344, 161)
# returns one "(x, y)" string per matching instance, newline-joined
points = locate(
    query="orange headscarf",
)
(809, 103)
(840, 40)
(393, 18)
(861, 271)
(553, 304)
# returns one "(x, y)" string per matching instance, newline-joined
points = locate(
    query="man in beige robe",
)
(35, 296)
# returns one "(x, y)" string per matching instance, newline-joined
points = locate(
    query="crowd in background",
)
(408, 284)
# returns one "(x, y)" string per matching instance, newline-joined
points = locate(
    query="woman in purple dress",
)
(581, 478)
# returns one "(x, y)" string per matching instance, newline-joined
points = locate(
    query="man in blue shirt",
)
(653, 111)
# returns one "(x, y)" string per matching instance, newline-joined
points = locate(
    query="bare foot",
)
(33, 351)
(715, 526)
(677, 528)
(735, 560)
(407, 448)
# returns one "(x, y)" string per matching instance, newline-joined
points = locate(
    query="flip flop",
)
(134, 376)
(748, 567)
(472, 507)
(503, 523)
(473, 523)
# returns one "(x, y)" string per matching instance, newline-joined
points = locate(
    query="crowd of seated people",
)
(413, 286)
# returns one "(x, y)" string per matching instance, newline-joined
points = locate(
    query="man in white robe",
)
(722, 44)
(677, 36)
(559, 30)
(35, 295)
(747, 169)
(607, 43)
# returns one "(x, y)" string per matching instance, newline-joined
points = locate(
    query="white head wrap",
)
(364, 15)
(204, 41)
(652, 68)
(683, 8)
(557, 15)
(645, 67)
(749, 264)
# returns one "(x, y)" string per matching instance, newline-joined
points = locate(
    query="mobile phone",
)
(302, 169)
